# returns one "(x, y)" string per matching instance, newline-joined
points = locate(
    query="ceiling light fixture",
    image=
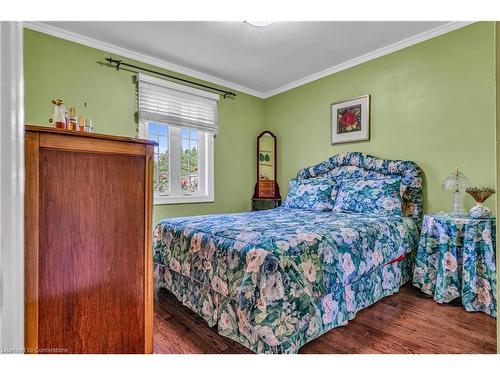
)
(259, 23)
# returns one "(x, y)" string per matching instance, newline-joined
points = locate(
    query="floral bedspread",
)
(281, 268)
(456, 257)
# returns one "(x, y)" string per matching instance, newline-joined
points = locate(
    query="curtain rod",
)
(120, 63)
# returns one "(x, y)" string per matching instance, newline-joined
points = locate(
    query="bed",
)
(274, 280)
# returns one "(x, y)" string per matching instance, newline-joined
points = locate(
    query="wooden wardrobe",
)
(88, 255)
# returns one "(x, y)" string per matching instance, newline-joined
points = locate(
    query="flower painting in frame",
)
(351, 120)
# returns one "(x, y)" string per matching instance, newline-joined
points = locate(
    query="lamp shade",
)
(456, 181)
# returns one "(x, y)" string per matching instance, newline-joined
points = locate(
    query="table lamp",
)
(457, 182)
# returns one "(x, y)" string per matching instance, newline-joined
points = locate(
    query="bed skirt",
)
(332, 310)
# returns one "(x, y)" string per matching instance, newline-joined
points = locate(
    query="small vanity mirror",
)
(266, 188)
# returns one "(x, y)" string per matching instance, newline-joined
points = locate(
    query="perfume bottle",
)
(88, 125)
(58, 117)
(72, 119)
(81, 123)
(66, 120)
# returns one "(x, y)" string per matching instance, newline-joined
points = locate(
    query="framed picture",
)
(351, 120)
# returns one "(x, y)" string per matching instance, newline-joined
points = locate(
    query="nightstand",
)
(456, 258)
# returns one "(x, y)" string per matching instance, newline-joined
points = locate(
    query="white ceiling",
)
(261, 61)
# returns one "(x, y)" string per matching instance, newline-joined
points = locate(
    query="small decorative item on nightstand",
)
(457, 182)
(480, 211)
(456, 258)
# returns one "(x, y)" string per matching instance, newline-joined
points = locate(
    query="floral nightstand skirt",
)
(456, 257)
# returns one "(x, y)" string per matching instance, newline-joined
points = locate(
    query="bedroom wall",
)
(432, 103)
(58, 68)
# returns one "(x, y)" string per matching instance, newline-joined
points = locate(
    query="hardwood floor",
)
(407, 322)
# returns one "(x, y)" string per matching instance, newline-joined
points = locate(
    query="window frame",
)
(175, 194)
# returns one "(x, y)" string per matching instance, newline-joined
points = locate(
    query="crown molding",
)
(94, 43)
(426, 35)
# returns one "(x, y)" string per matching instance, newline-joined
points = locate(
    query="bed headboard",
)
(359, 165)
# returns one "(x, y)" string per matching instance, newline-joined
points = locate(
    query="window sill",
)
(159, 200)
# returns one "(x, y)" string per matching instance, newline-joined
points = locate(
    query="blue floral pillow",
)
(311, 194)
(370, 196)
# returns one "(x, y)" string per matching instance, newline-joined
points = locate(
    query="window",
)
(189, 162)
(182, 120)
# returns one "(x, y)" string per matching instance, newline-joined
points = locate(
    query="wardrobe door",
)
(91, 275)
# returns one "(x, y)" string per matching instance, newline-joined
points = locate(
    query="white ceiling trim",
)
(94, 43)
(440, 30)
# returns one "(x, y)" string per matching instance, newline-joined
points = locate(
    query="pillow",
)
(381, 196)
(311, 194)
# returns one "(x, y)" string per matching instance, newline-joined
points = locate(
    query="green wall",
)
(432, 103)
(59, 68)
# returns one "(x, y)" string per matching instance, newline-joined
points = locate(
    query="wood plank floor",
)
(407, 322)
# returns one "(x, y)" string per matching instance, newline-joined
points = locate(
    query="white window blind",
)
(177, 105)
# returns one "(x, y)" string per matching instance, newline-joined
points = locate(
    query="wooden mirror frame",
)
(257, 192)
